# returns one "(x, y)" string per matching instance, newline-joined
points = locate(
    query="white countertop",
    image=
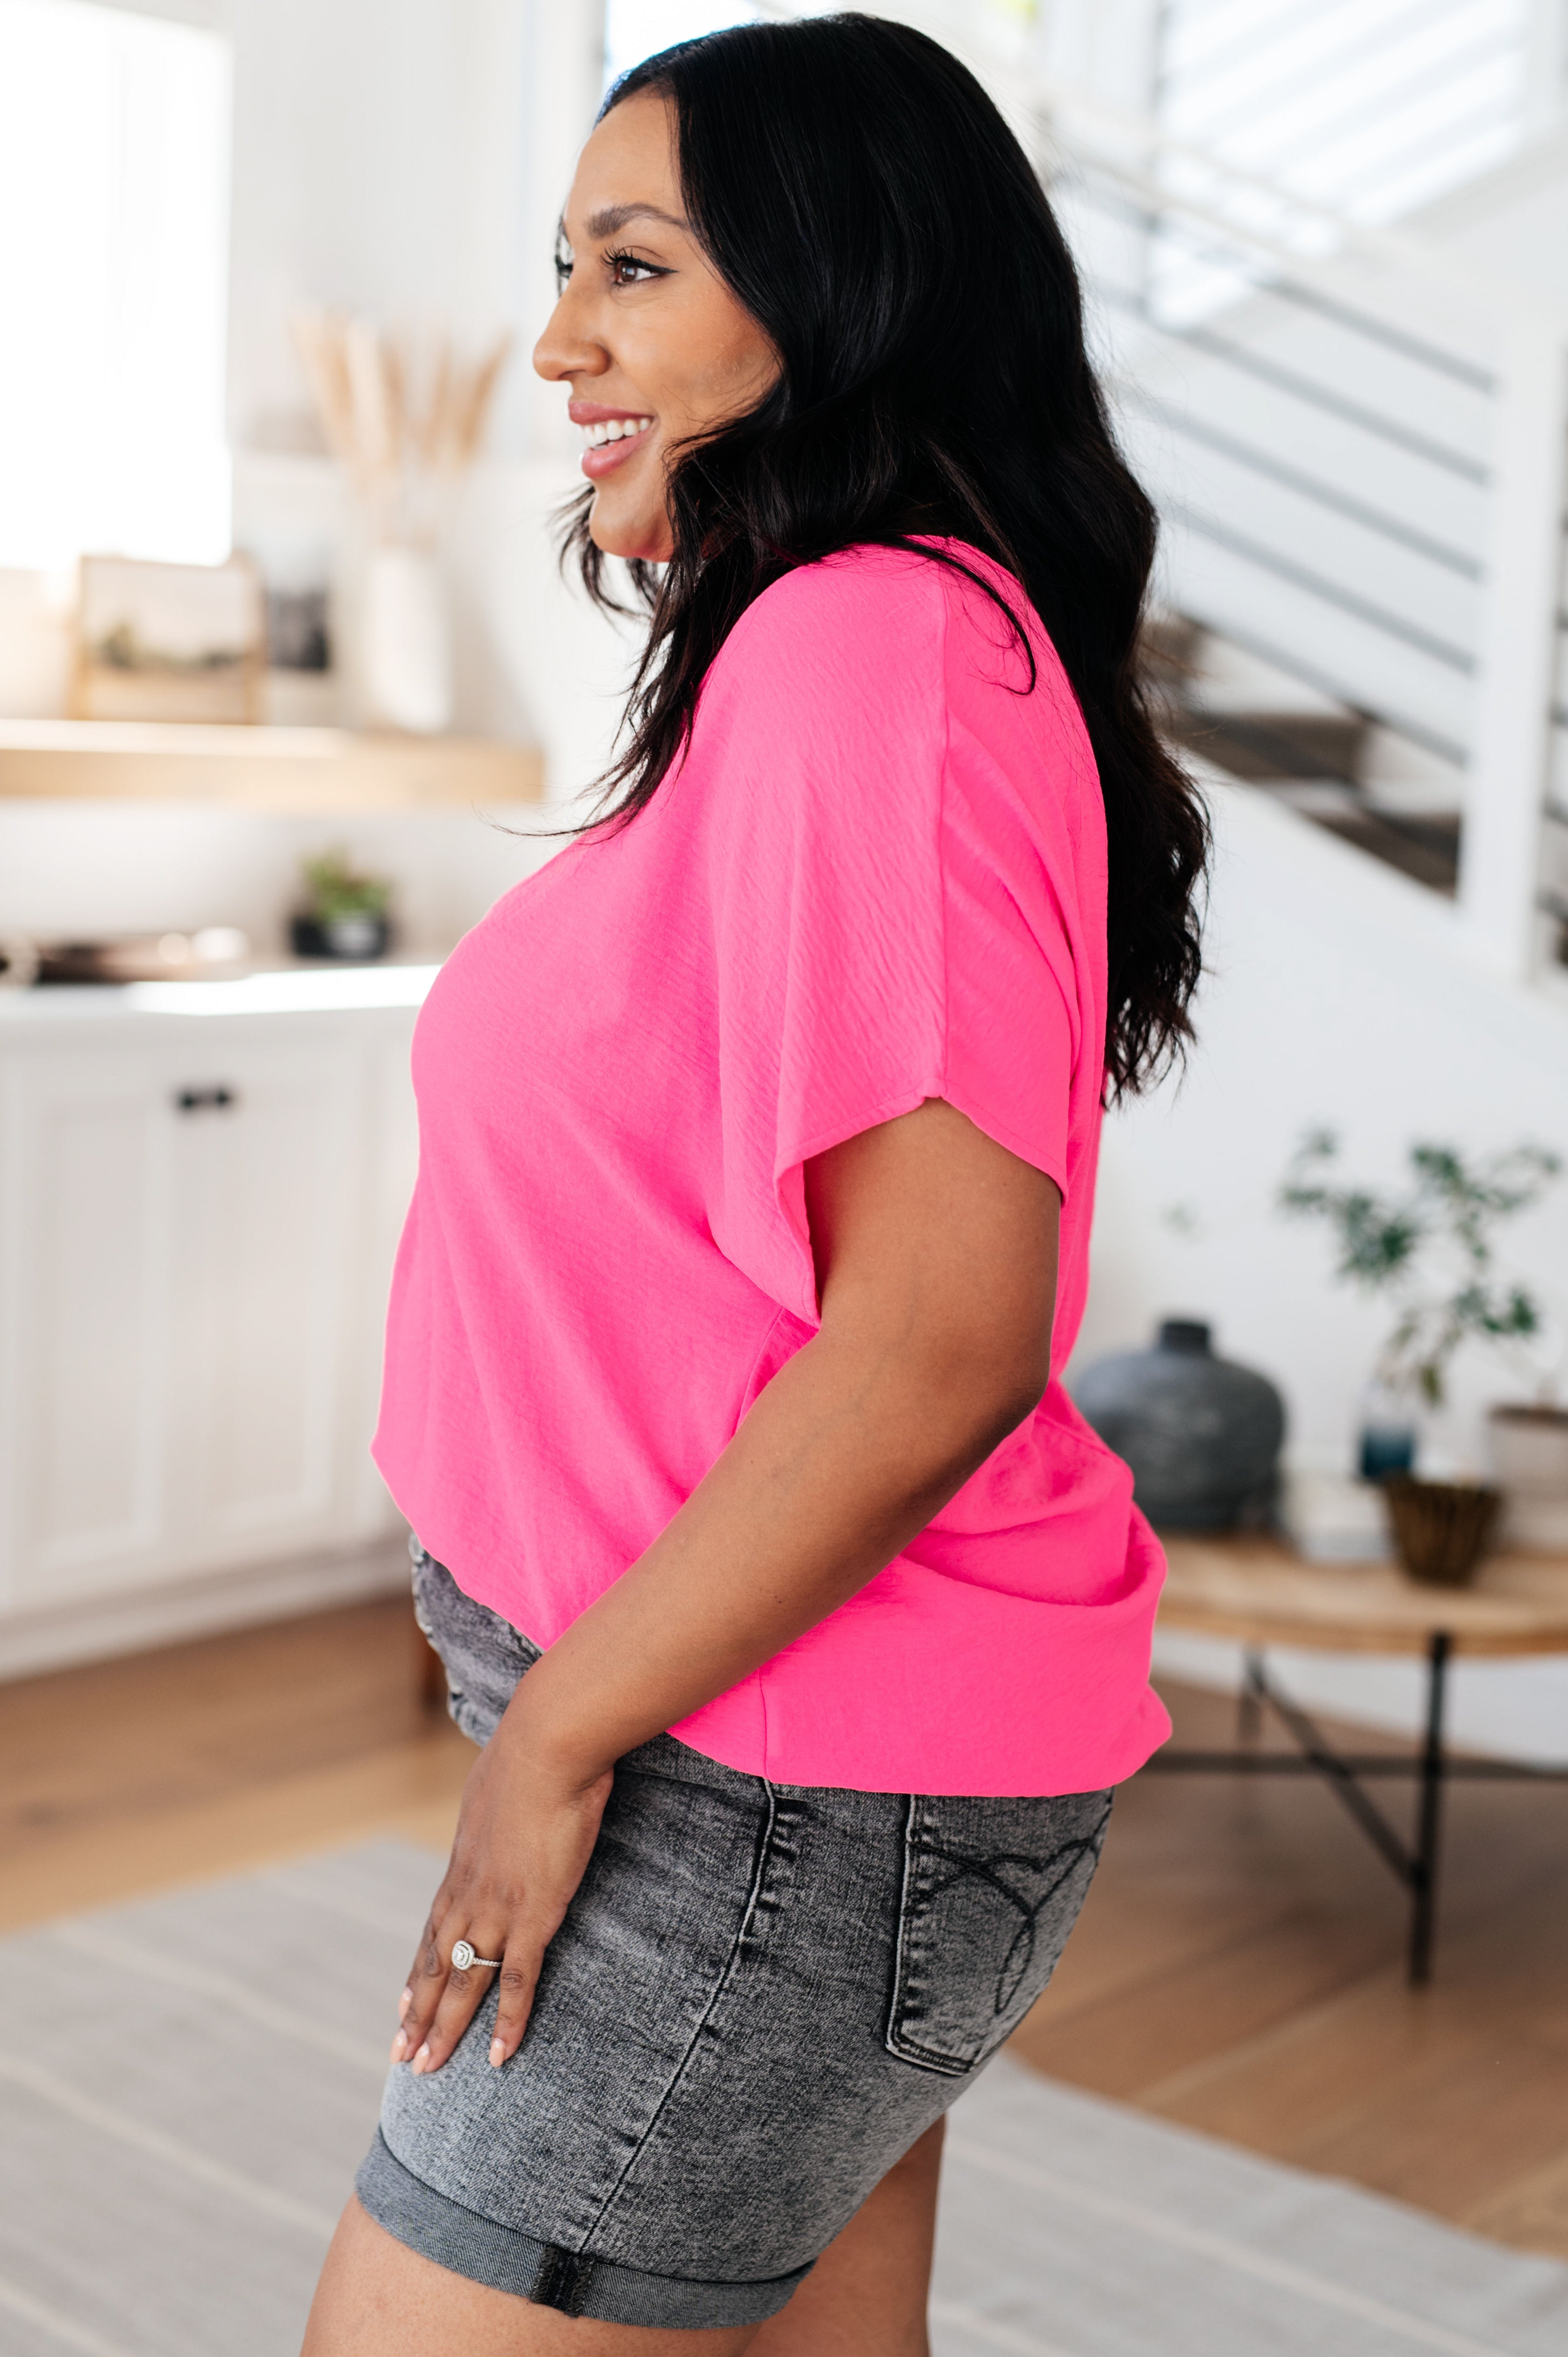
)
(280, 990)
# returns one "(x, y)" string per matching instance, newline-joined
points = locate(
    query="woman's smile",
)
(610, 436)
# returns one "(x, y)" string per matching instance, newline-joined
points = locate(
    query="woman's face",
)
(651, 341)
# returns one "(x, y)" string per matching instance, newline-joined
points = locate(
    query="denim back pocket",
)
(992, 1888)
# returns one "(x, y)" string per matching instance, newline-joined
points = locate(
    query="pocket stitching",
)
(917, 1889)
(898, 2040)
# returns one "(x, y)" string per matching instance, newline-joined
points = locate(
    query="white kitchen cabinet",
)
(265, 1170)
(87, 1207)
(197, 1224)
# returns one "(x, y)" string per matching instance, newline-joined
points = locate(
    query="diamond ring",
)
(463, 1957)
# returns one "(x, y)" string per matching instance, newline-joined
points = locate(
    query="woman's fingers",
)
(446, 1987)
(524, 1840)
(466, 1988)
(520, 1978)
(426, 1980)
(440, 2002)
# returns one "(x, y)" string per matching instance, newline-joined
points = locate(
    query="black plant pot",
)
(360, 936)
(1201, 1435)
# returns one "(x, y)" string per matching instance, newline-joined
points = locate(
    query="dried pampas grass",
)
(405, 420)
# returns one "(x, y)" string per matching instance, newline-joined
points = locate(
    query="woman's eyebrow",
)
(613, 217)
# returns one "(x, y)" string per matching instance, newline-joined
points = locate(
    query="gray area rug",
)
(187, 2084)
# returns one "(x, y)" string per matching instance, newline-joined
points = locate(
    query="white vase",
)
(1530, 1464)
(405, 640)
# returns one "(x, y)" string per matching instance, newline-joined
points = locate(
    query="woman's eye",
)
(563, 269)
(625, 270)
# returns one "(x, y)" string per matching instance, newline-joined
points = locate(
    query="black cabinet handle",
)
(214, 1099)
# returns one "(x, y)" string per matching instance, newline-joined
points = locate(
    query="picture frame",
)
(158, 642)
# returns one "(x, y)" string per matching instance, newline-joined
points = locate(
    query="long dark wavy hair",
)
(859, 193)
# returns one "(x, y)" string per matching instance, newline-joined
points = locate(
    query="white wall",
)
(1335, 994)
(376, 166)
(407, 159)
(70, 870)
(1111, 47)
(1513, 220)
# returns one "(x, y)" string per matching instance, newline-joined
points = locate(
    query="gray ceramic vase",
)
(1201, 1435)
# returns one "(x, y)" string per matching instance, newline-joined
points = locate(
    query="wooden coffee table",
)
(1256, 1593)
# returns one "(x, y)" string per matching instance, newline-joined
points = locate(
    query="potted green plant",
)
(1429, 1248)
(345, 913)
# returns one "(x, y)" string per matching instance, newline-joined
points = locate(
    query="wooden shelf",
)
(306, 770)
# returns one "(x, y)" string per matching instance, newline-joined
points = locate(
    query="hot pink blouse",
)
(878, 876)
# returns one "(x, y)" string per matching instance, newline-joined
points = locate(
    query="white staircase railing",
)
(1359, 456)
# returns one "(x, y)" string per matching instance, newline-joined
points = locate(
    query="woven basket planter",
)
(1441, 1528)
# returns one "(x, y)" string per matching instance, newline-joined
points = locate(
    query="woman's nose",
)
(563, 352)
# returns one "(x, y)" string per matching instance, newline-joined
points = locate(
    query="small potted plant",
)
(1429, 1249)
(344, 914)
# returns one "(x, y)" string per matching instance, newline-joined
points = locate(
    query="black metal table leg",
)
(1250, 1702)
(1429, 1821)
(1348, 1774)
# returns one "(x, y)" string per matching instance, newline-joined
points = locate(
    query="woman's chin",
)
(627, 535)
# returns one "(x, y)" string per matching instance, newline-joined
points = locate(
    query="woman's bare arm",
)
(936, 1254)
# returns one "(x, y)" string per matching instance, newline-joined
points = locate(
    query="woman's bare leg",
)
(867, 2295)
(379, 2298)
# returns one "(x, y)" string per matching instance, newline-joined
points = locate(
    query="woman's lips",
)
(597, 463)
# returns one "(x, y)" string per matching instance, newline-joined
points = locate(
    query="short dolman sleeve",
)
(894, 885)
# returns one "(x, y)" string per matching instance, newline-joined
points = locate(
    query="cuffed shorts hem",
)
(575, 2282)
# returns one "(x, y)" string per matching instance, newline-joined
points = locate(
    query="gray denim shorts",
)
(760, 1997)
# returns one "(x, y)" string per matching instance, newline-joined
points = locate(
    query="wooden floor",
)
(205, 1759)
(1237, 1966)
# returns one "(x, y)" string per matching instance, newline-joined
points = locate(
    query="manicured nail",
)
(498, 2053)
(421, 2059)
(398, 2044)
(404, 2001)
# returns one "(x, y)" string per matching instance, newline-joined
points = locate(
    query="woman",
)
(759, 1134)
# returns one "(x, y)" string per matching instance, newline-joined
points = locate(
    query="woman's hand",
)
(525, 1832)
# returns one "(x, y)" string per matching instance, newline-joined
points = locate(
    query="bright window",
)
(635, 29)
(113, 231)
